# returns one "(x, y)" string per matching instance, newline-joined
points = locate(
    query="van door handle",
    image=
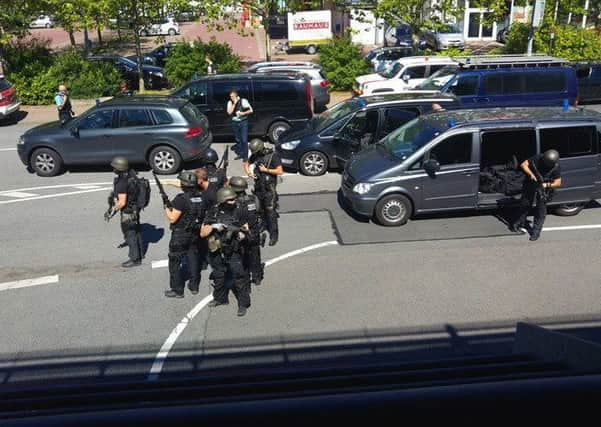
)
(482, 99)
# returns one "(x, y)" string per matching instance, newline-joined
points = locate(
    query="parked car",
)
(42, 21)
(278, 101)
(332, 137)
(320, 87)
(444, 37)
(164, 27)
(400, 34)
(158, 56)
(507, 81)
(154, 77)
(589, 82)
(434, 162)
(502, 35)
(382, 58)
(405, 74)
(162, 132)
(9, 103)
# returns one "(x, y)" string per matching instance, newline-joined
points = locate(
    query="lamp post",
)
(551, 38)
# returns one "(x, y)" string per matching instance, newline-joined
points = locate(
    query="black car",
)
(154, 77)
(279, 102)
(589, 82)
(159, 131)
(158, 56)
(332, 137)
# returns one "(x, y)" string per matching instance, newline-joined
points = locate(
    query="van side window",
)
(275, 91)
(465, 86)
(493, 84)
(415, 72)
(571, 141)
(198, 93)
(499, 147)
(546, 82)
(222, 89)
(454, 150)
(513, 83)
(394, 117)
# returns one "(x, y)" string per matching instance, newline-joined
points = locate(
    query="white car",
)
(405, 74)
(42, 21)
(167, 26)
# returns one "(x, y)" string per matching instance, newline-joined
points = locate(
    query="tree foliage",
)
(342, 61)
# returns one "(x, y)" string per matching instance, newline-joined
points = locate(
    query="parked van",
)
(402, 75)
(435, 162)
(278, 101)
(507, 81)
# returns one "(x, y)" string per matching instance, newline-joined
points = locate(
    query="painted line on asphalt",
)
(49, 196)
(160, 264)
(86, 187)
(28, 282)
(572, 227)
(161, 357)
(18, 194)
(50, 187)
(8, 149)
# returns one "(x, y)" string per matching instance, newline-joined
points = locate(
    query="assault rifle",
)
(546, 193)
(166, 201)
(225, 160)
(111, 211)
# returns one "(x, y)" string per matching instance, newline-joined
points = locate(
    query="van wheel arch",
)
(569, 209)
(393, 209)
(275, 129)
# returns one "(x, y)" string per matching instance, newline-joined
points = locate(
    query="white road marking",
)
(28, 282)
(572, 227)
(86, 187)
(50, 187)
(160, 264)
(18, 194)
(159, 360)
(49, 196)
(8, 149)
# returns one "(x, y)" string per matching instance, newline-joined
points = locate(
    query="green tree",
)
(419, 14)
(342, 61)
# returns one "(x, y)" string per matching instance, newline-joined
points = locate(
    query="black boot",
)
(172, 294)
(131, 263)
(216, 303)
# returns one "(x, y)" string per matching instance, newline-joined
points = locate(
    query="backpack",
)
(138, 192)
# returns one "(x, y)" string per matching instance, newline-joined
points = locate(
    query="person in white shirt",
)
(239, 109)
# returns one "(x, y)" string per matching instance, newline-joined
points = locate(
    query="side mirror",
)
(74, 131)
(431, 166)
(406, 77)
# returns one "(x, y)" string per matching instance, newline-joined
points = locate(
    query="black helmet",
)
(120, 164)
(256, 145)
(188, 179)
(238, 184)
(225, 194)
(210, 157)
(551, 157)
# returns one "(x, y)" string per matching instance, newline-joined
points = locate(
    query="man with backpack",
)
(131, 195)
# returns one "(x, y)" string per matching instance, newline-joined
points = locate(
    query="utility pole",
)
(538, 11)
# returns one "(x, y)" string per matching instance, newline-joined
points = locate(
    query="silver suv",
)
(320, 87)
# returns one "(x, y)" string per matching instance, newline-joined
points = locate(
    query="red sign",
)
(316, 25)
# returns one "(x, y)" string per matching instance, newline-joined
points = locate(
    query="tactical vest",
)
(249, 204)
(193, 217)
(217, 239)
(265, 179)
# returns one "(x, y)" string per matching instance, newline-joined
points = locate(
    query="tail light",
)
(309, 97)
(194, 132)
(324, 83)
(5, 97)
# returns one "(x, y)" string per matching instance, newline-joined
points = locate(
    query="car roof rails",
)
(509, 61)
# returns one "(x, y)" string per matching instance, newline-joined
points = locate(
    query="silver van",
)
(436, 162)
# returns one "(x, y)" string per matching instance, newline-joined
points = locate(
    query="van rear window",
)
(276, 91)
(546, 82)
(570, 142)
(191, 113)
(4, 84)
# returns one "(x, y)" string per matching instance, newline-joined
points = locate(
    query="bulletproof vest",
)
(215, 178)
(218, 239)
(238, 107)
(132, 190)
(265, 159)
(193, 217)
(67, 107)
(249, 205)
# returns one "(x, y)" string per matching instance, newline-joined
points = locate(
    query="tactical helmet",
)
(188, 179)
(120, 164)
(238, 184)
(210, 157)
(256, 145)
(551, 157)
(225, 194)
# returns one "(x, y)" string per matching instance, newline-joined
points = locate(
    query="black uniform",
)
(251, 213)
(265, 189)
(226, 255)
(124, 183)
(185, 240)
(217, 180)
(533, 191)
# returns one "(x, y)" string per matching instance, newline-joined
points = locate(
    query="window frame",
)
(428, 153)
(564, 130)
(113, 122)
(148, 116)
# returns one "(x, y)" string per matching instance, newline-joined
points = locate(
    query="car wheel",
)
(313, 163)
(48, 25)
(46, 162)
(393, 210)
(164, 160)
(311, 49)
(144, 33)
(276, 129)
(569, 209)
(172, 32)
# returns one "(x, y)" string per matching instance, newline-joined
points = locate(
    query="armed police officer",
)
(185, 216)
(225, 231)
(125, 193)
(266, 166)
(216, 176)
(543, 174)
(249, 207)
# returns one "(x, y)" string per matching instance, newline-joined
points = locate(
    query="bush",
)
(517, 38)
(186, 60)
(342, 62)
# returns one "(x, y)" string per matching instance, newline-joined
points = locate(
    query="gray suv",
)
(437, 162)
(320, 87)
(159, 131)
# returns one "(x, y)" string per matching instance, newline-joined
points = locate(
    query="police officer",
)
(63, 104)
(250, 210)
(124, 191)
(216, 176)
(185, 216)
(542, 175)
(267, 167)
(225, 231)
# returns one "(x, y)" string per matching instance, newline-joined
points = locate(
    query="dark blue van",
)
(507, 81)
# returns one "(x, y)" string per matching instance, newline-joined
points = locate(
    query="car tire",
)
(46, 162)
(144, 33)
(311, 49)
(164, 160)
(172, 32)
(276, 129)
(393, 210)
(313, 163)
(569, 209)
(48, 25)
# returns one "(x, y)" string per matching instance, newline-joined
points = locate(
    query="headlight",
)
(158, 74)
(290, 145)
(21, 140)
(362, 188)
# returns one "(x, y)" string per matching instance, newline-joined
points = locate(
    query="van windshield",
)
(439, 79)
(335, 113)
(392, 71)
(410, 137)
